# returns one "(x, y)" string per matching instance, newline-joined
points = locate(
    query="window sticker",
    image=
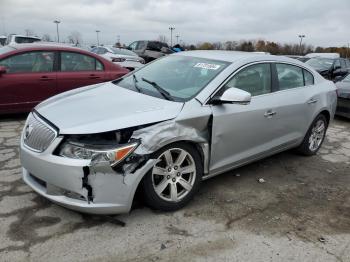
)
(207, 66)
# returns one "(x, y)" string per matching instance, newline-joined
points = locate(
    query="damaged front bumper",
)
(78, 185)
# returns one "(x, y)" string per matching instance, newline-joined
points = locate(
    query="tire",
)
(169, 185)
(314, 136)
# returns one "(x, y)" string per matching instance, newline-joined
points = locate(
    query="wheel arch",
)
(201, 148)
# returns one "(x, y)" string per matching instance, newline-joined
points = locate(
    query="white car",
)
(21, 39)
(123, 57)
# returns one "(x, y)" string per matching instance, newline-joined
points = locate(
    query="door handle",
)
(94, 77)
(46, 78)
(312, 101)
(269, 113)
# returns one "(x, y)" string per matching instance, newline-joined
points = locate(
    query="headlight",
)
(97, 154)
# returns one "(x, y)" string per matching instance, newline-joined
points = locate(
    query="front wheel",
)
(314, 136)
(174, 179)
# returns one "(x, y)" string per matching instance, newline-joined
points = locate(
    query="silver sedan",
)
(169, 125)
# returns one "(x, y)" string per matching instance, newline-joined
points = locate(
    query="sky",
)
(324, 23)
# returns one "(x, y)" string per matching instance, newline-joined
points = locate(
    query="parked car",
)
(123, 57)
(30, 73)
(169, 125)
(150, 50)
(343, 105)
(21, 39)
(330, 68)
(2, 40)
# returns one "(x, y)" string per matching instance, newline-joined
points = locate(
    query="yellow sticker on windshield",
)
(207, 66)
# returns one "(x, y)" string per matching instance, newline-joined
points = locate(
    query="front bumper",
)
(77, 185)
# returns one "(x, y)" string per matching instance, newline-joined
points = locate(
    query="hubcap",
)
(317, 134)
(174, 174)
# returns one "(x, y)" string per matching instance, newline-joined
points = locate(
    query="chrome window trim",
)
(254, 63)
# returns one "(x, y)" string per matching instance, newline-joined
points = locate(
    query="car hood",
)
(105, 107)
(343, 89)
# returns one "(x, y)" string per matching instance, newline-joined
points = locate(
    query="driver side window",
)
(255, 79)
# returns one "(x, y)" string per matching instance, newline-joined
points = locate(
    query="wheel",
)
(174, 179)
(314, 136)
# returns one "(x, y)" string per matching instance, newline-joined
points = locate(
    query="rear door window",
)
(289, 76)
(38, 61)
(71, 61)
(308, 77)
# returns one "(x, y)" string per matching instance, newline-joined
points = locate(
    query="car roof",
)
(46, 45)
(230, 56)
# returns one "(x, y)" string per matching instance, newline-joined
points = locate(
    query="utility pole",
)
(177, 39)
(98, 40)
(301, 41)
(171, 35)
(58, 35)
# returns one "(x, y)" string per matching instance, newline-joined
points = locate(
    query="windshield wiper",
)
(135, 83)
(161, 90)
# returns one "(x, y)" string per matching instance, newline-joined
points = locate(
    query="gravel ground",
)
(300, 213)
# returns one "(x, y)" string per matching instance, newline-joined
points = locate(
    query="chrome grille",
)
(38, 135)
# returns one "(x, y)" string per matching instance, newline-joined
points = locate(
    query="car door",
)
(77, 70)
(241, 133)
(30, 79)
(296, 101)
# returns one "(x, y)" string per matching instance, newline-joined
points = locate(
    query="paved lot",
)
(301, 213)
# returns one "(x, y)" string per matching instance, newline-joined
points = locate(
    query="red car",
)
(30, 73)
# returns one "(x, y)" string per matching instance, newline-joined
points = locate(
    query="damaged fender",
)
(194, 128)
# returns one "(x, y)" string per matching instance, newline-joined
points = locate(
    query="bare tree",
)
(75, 38)
(29, 32)
(162, 38)
(47, 38)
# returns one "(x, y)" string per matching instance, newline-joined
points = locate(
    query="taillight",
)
(118, 59)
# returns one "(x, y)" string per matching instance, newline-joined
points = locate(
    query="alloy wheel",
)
(174, 174)
(317, 134)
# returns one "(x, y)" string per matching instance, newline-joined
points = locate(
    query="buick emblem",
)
(28, 130)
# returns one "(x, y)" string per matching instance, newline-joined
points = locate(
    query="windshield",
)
(121, 51)
(182, 77)
(320, 63)
(5, 49)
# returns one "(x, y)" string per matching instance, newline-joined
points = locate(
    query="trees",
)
(46, 38)
(162, 38)
(75, 38)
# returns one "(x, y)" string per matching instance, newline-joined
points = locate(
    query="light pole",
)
(177, 39)
(171, 35)
(58, 35)
(301, 41)
(98, 40)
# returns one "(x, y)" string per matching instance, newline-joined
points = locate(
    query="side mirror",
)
(233, 96)
(3, 70)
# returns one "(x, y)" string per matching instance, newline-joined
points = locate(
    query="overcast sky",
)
(324, 23)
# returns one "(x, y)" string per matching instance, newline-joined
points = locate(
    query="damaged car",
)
(166, 127)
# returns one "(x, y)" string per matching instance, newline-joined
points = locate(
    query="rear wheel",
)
(314, 137)
(174, 179)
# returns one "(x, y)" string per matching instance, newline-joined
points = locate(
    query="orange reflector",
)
(123, 152)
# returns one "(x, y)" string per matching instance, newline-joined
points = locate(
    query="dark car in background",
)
(150, 50)
(330, 68)
(343, 91)
(30, 73)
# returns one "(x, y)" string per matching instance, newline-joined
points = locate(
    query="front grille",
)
(38, 135)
